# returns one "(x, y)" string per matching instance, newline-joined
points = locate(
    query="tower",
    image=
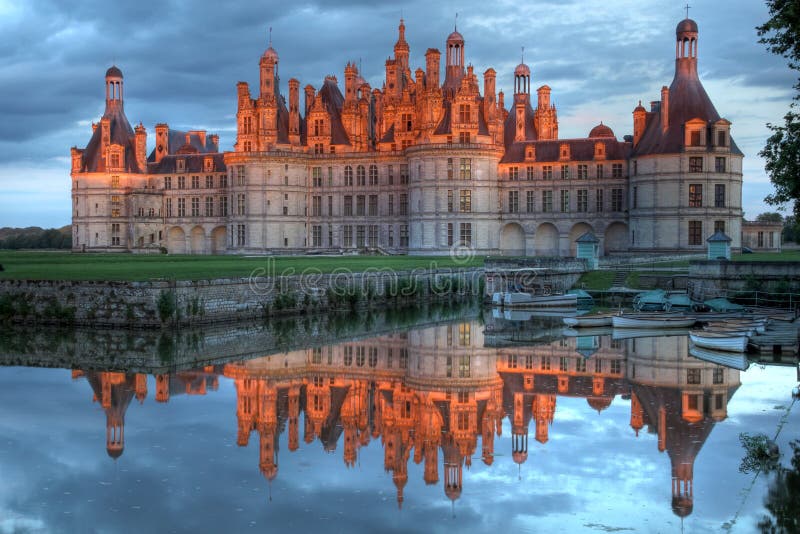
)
(113, 89)
(454, 62)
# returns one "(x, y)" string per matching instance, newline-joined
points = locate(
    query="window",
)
(583, 172)
(547, 201)
(466, 234)
(564, 200)
(463, 113)
(719, 164)
(390, 174)
(695, 232)
(347, 207)
(240, 235)
(511, 361)
(449, 236)
(115, 160)
(240, 204)
(168, 207)
(721, 139)
(694, 138)
(181, 207)
(116, 206)
(695, 195)
(463, 138)
(530, 173)
(403, 241)
(168, 182)
(361, 177)
(465, 201)
(513, 174)
(373, 175)
(316, 206)
(316, 176)
(195, 182)
(223, 206)
(616, 200)
(404, 174)
(390, 205)
(599, 201)
(635, 196)
(449, 168)
(209, 182)
(195, 206)
(544, 363)
(316, 236)
(513, 201)
(696, 164)
(547, 172)
(390, 235)
(223, 180)
(348, 175)
(209, 206)
(719, 226)
(319, 127)
(616, 170)
(693, 376)
(600, 171)
(529, 201)
(361, 205)
(583, 200)
(115, 239)
(373, 205)
(372, 235)
(565, 172)
(406, 122)
(347, 235)
(563, 364)
(330, 176)
(719, 195)
(465, 171)
(450, 201)
(403, 204)
(580, 365)
(616, 367)
(635, 168)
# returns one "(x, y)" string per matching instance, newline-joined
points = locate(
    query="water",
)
(430, 426)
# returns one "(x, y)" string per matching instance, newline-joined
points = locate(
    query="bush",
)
(166, 305)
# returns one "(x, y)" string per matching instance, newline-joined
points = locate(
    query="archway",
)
(512, 240)
(198, 240)
(578, 230)
(176, 240)
(219, 238)
(546, 240)
(616, 238)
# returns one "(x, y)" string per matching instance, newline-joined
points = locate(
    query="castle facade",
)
(422, 165)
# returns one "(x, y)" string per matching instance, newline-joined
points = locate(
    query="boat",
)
(716, 341)
(584, 299)
(655, 300)
(539, 301)
(730, 330)
(633, 333)
(678, 302)
(726, 359)
(497, 299)
(652, 321)
(723, 305)
(589, 331)
(588, 321)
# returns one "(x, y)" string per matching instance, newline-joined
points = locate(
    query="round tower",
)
(113, 88)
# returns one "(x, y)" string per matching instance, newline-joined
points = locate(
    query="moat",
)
(405, 421)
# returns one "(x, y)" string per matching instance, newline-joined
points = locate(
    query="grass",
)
(68, 266)
(787, 255)
(596, 280)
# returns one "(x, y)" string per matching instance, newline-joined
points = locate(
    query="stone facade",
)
(419, 166)
(762, 236)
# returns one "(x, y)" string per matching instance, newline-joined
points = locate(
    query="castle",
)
(419, 166)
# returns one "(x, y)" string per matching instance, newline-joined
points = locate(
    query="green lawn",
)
(596, 280)
(787, 255)
(68, 266)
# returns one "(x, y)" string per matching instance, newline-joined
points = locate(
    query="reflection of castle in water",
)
(432, 392)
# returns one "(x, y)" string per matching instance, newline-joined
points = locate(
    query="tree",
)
(781, 34)
(770, 216)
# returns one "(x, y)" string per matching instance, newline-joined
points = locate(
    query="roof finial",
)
(523, 55)
(455, 26)
(270, 36)
(687, 10)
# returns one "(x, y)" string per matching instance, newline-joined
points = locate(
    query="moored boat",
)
(539, 301)
(589, 321)
(727, 359)
(717, 341)
(633, 333)
(652, 321)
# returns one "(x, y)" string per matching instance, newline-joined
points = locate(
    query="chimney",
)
(309, 90)
(162, 141)
(639, 123)
(214, 141)
(294, 111)
(432, 57)
(141, 148)
(664, 107)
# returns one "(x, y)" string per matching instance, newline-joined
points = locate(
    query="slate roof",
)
(333, 100)
(580, 150)
(121, 134)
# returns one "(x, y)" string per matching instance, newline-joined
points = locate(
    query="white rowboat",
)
(727, 359)
(709, 340)
(652, 321)
(539, 301)
(589, 321)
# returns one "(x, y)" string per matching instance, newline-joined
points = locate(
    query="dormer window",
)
(695, 133)
(722, 139)
(694, 138)
(180, 165)
(564, 151)
(599, 150)
(208, 164)
(530, 153)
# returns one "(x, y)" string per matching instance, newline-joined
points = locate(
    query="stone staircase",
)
(620, 274)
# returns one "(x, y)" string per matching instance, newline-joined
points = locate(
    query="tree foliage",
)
(34, 238)
(770, 216)
(781, 34)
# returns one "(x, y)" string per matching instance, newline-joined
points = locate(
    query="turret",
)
(141, 147)
(686, 48)
(401, 47)
(454, 63)
(639, 122)
(269, 73)
(113, 89)
(432, 57)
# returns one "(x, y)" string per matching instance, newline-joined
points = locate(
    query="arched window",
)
(373, 175)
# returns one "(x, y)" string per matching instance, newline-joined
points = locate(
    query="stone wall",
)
(153, 304)
(710, 278)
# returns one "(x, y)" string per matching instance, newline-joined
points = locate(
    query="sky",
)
(181, 61)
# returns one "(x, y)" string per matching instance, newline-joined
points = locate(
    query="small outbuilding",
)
(588, 249)
(719, 246)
